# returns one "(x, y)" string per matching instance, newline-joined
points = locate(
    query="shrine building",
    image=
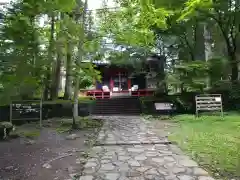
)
(122, 81)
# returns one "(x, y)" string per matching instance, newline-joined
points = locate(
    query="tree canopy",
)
(39, 39)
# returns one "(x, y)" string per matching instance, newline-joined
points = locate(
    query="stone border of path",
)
(126, 144)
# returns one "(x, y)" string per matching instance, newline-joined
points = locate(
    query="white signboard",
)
(209, 102)
(218, 99)
(163, 106)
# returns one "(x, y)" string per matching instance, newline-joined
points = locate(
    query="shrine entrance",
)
(120, 82)
(116, 80)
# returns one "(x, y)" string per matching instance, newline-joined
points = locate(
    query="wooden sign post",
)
(209, 102)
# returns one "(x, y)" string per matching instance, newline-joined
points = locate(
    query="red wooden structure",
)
(98, 94)
(120, 83)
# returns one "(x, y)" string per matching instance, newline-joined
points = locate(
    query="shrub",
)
(184, 102)
(86, 99)
(82, 99)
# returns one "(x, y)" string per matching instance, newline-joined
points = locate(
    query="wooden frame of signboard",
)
(208, 102)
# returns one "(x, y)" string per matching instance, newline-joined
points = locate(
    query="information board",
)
(209, 102)
(163, 106)
(26, 110)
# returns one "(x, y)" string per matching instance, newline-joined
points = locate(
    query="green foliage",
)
(30, 134)
(19, 49)
(90, 123)
(129, 28)
(223, 16)
(28, 50)
(218, 70)
(190, 76)
(81, 99)
(88, 75)
(86, 99)
(83, 123)
(24, 59)
(31, 54)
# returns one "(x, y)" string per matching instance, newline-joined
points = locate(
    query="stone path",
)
(128, 150)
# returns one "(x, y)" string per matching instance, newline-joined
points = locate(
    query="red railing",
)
(122, 91)
(98, 94)
(142, 92)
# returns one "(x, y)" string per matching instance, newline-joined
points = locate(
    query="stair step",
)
(126, 105)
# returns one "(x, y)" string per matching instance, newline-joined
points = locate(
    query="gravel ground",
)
(21, 159)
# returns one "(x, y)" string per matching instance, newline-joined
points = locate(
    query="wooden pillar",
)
(111, 84)
(129, 83)
(95, 83)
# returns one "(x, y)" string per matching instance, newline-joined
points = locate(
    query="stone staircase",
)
(118, 106)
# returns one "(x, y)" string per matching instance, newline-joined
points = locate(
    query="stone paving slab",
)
(127, 130)
(137, 162)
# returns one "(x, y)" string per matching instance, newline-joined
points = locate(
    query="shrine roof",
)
(99, 62)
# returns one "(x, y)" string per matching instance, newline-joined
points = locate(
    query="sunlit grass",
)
(214, 142)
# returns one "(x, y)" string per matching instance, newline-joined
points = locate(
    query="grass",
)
(31, 134)
(26, 133)
(212, 141)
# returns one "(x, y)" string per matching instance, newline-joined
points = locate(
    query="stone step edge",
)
(126, 144)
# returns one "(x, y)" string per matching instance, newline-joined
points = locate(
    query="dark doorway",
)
(139, 80)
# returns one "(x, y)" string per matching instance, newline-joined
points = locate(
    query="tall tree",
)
(224, 13)
(30, 51)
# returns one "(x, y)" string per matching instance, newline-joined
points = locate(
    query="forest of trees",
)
(199, 38)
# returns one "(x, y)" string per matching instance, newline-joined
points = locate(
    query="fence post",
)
(41, 113)
(10, 112)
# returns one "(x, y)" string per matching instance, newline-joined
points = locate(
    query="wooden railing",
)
(122, 91)
(98, 94)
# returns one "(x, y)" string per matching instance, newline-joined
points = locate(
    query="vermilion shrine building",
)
(121, 81)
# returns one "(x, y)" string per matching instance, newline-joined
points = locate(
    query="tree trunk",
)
(199, 48)
(47, 83)
(161, 85)
(57, 66)
(234, 67)
(233, 60)
(56, 78)
(231, 49)
(75, 105)
(50, 58)
(68, 82)
(78, 62)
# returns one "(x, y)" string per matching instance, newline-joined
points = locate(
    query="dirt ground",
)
(50, 156)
